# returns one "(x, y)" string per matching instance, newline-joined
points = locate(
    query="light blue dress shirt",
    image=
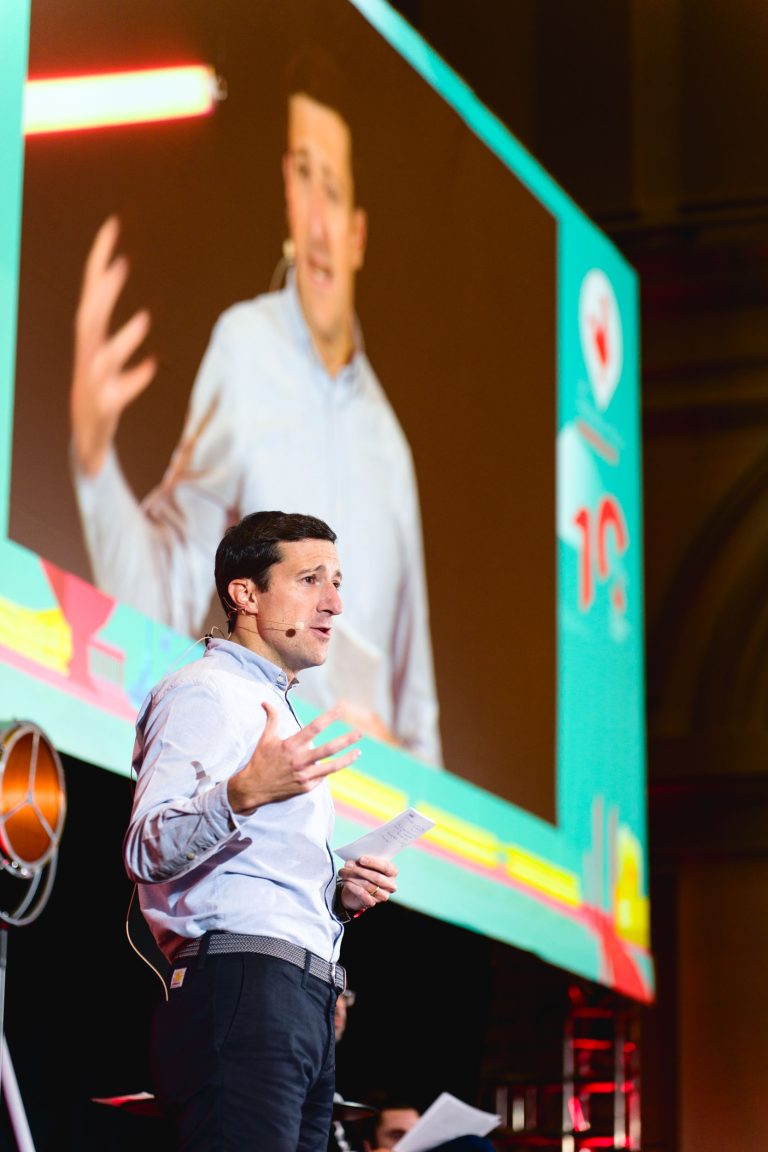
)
(199, 866)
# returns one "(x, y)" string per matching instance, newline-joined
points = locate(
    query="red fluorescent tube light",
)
(76, 102)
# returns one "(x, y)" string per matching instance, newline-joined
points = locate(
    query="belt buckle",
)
(336, 971)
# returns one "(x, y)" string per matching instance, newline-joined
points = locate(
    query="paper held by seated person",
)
(445, 1119)
(388, 839)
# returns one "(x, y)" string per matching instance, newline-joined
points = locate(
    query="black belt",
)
(221, 942)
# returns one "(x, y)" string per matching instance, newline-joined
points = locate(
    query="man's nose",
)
(331, 601)
(317, 213)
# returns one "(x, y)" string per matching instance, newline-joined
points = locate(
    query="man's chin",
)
(325, 315)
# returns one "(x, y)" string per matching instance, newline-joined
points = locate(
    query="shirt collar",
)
(251, 661)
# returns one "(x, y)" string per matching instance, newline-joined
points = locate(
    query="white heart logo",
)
(601, 337)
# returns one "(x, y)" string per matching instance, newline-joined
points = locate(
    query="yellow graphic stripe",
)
(546, 877)
(467, 843)
(367, 795)
(42, 635)
(462, 839)
(472, 844)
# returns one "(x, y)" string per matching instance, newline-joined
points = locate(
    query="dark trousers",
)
(242, 1056)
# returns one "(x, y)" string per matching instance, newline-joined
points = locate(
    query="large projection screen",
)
(503, 326)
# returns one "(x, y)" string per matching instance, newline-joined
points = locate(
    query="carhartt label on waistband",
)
(177, 979)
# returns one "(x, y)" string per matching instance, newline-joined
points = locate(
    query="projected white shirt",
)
(268, 428)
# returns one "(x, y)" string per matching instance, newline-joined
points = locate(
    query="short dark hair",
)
(315, 72)
(251, 547)
(386, 1100)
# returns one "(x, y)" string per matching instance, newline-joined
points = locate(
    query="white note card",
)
(389, 838)
(446, 1119)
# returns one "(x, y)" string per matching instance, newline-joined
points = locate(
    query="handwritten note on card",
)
(389, 838)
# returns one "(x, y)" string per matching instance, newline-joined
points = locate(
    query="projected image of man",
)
(286, 411)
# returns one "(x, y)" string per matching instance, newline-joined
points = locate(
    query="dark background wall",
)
(652, 115)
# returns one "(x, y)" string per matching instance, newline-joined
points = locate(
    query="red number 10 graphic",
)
(595, 530)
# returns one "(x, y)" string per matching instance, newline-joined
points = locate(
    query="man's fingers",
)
(105, 272)
(117, 385)
(333, 746)
(101, 290)
(271, 724)
(320, 722)
(97, 301)
(328, 766)
(102, 247)
(309, 731)
(128, 338)
(135, 380)
(379, 864)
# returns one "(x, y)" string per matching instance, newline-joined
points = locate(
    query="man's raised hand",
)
(281, 768)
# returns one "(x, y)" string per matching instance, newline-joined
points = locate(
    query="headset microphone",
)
(290, 629)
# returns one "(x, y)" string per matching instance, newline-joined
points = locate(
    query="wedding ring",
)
(375, 890)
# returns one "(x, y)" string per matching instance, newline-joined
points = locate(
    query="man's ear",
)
(359, 237)
(242, 596)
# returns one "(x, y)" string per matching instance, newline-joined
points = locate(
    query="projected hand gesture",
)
(103, 385)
